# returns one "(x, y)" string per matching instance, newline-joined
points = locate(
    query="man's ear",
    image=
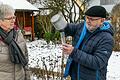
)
(102, 20)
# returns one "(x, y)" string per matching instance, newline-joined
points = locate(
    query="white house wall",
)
(94, 2)
(108, 4)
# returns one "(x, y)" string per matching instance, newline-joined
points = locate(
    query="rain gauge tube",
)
(59, 24)
(62, 34)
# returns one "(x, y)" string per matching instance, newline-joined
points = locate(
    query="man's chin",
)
(91, 29)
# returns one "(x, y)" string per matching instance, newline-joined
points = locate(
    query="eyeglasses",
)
(92, 19)
(10, 18)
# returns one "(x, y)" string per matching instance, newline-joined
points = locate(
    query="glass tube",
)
(62, 34)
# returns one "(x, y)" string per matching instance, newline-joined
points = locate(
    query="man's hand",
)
(67, 49)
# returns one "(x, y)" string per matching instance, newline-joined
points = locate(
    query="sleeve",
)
(23, 44)
(71, 28)
(25, 51)
(27, 70)
(100, 58)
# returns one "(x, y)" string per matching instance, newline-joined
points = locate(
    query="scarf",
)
(69, 60)
(16, 54)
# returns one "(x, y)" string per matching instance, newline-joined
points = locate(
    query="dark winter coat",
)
(93, 54)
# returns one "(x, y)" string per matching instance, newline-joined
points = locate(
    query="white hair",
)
(5, 10)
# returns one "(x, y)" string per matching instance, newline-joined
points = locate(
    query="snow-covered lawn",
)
(114, 67)
(41, 54)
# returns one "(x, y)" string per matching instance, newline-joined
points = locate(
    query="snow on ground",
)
(114, 67)
(41, 54)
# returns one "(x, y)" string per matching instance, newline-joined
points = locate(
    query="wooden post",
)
(23, 19)
(33, 35)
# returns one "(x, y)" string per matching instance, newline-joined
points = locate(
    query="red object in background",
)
(27, 28)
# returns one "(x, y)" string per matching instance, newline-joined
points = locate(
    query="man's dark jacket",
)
(93, 54)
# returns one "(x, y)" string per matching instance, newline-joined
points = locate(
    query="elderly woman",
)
(12, 47)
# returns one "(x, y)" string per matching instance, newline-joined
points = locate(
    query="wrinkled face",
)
(92, 23)
(8, 22)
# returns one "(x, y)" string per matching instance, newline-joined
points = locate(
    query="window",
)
(108, 2)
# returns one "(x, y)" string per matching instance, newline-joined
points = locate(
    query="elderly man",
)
(92, 45)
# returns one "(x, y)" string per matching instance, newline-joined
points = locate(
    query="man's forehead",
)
(92, 17)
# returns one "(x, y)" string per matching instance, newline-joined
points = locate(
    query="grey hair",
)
(5, 10)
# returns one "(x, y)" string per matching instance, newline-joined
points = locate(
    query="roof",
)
(20, 4)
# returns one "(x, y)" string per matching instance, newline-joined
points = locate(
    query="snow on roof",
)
(19, 4)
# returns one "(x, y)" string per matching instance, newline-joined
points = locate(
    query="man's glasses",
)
(92, 19)
(10, 18)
